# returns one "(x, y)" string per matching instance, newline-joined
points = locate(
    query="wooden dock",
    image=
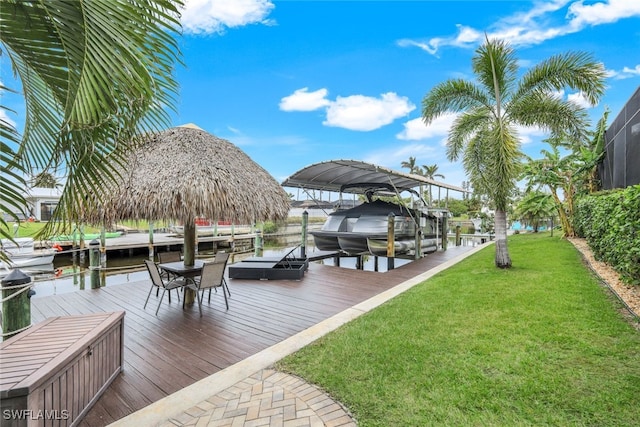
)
(136, 241)
(176, 348)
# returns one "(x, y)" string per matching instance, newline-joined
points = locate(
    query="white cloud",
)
(634, 71)
(582, 15)
(430, 46)
(529, 134)
(626, 73)
(534, 26)
(416, 129)
(354, 112)
(364, 113)
(303, 100)
(466, 37)
(214, 16)
(579, 99)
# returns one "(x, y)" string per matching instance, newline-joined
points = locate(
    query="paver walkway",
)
(266, 398)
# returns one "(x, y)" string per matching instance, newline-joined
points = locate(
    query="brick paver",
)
(267, 398)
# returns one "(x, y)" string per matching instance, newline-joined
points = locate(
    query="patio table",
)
(188, 272)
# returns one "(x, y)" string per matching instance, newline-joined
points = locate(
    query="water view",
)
(69, 274)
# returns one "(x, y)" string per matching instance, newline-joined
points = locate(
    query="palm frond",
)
(452, 96)
(576, 70)
(474, 158)
(542, 109)
(465, 127)
(503, 162)
(95, 74)
(496, 68)
(597, 144)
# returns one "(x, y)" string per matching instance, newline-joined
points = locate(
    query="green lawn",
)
(31, 229)
(541, 344)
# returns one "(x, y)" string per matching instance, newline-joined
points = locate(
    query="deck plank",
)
(176, 348)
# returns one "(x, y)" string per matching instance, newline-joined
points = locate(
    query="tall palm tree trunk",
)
(503, 260)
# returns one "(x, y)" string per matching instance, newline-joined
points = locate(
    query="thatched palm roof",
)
(185, 172)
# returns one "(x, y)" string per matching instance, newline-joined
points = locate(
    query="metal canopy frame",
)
(339, 176)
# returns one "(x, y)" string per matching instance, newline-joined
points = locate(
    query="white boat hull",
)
(29, 261)
(378, 247)
(364, 229)
(22, 253)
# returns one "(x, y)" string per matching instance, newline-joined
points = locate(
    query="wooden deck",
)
(170, 351)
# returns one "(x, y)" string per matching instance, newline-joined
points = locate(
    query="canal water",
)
(69, 274)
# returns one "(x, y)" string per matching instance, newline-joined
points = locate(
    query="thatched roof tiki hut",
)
(183, 173)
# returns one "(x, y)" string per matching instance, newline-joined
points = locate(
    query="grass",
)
(540, 344)
(31, 229)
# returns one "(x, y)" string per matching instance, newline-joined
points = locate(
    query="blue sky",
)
(298, 82)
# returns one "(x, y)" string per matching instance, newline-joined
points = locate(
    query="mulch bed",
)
(628, 294)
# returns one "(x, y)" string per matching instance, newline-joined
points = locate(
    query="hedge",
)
(610, 221)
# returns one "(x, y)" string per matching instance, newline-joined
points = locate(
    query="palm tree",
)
(411, 165)
(94, 76)
(534, 207)
(45, 179)
(485, 135)
(430, 172)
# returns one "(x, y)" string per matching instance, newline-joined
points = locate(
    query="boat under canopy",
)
(365, 228)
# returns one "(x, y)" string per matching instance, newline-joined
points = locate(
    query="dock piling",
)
(16, 303)
(94, 263)
(305, 225)
(391, 249)
(151, 253)
(258, 242)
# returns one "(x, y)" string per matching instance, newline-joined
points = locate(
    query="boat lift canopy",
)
(341, 175)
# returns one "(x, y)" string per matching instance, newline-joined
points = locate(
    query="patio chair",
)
(164, 257)
(212, 278)
(221, 257)
(171, 256)
(159, 283)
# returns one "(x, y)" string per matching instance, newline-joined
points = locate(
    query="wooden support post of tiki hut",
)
(103, 246)
(189, 255)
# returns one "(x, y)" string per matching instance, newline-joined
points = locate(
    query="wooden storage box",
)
(55, 371)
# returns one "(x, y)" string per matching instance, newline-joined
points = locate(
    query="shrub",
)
(269, 227)
(610, 221)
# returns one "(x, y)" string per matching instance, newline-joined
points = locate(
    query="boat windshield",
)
(333, 223)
